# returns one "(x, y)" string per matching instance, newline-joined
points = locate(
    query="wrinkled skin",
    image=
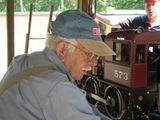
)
(75, 61)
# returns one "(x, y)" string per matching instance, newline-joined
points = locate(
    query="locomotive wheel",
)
(91, 85)
(115, 107)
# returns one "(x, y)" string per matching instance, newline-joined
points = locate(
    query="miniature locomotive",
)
(126, 86)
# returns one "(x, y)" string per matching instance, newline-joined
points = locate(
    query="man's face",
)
(79, 61)
(152, 9)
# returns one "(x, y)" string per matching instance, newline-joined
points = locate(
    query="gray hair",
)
(53, 39)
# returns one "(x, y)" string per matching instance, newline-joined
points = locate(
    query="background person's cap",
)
(150, 1)
(77, 25)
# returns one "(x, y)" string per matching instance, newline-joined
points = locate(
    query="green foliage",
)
(43, 5)
(3, 5)
(103, 5)
(68, 4)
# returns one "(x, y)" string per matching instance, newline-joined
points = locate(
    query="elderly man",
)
(150, 21)
(51, 94)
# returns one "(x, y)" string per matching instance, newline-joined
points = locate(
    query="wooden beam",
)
(10, 30)
(87, 6)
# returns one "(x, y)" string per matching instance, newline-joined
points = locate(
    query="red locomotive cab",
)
(131, 65)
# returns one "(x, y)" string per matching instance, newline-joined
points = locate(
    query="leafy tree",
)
(68, 4)
(3, 5)
(102, 5)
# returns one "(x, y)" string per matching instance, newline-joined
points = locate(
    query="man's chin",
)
(152, 17)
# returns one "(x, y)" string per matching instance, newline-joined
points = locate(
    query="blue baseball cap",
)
(73, 24)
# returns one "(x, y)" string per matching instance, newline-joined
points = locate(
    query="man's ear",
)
(61, 49)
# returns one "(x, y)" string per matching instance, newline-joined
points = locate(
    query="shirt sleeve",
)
(67, 102)
(126, 24)
(134, 22)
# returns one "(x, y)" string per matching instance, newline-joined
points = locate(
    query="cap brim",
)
(97, 47)
(150, 1)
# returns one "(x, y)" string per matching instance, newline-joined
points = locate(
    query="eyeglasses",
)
(90, 56)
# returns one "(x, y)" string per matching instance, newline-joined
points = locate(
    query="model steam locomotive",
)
(127, 86)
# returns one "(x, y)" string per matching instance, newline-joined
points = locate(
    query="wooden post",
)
(10, 30)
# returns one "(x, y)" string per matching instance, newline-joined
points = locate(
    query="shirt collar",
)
(150, 25)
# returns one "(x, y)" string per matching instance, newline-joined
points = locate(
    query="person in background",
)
(149, 21)
(71, 50)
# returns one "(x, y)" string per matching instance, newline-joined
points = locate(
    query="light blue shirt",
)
(49, 95)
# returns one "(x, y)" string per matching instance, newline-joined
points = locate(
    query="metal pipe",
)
(29, 29)
(50, 18)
